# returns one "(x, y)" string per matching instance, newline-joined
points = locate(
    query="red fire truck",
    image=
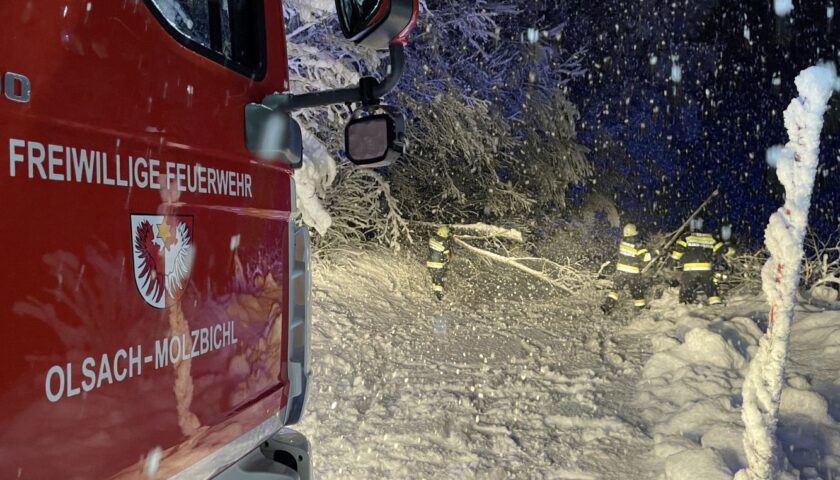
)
(154, 302)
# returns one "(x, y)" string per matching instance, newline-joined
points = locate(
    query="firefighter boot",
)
(437, 284)
(608, 305)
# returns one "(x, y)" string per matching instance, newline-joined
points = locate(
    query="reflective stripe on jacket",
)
(438, 252)
(631, 259)
(698, 251)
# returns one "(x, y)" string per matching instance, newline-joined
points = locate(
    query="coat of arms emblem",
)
(163, 253)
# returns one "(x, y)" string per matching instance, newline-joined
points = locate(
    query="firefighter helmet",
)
(630, 230)
(726, 233)
(443, 232)
(696, 224)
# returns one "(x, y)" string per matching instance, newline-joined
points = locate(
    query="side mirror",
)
(377, 23)
(375, 137)
(272, 134)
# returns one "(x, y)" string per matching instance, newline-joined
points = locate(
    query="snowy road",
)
(501, 393)
(546, 387)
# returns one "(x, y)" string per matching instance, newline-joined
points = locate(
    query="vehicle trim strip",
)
(230, 453)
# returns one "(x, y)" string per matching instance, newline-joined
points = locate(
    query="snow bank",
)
(690, 390)
(796, 167)
(686, 464)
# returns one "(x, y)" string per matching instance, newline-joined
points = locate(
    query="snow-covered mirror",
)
(377, 23)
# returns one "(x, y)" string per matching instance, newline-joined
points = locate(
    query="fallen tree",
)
(564, 277)
(481, 231)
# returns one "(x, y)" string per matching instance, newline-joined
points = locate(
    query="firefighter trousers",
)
(691, 282)
(438, 279)
(629, 281)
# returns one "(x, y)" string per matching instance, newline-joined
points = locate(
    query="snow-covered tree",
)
(470, 83)
(492, 132)
(551, 158)
(466, 162)
(796, 168)
(451, 172)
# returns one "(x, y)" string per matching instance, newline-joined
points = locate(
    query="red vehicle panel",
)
(145, 250)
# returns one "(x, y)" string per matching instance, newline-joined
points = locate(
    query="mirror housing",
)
(377, 23)
(375, 136)
(273, 135)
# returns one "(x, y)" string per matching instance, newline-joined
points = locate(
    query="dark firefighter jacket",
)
(630, 258)
(438, 252)
(697, 252)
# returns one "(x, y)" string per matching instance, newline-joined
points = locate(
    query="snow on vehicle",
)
(155, 295)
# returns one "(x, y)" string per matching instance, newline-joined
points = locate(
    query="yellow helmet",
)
(443, 232)
(630, 230)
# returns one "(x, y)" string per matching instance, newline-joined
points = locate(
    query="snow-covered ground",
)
(690, 391)
(542, 386)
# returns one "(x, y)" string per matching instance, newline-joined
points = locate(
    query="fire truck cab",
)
(154, 305)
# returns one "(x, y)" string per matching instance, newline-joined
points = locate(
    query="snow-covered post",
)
(784, 237)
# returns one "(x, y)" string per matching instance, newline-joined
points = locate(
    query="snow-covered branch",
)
(482, 231)
(564, 277)
(515, 263)
(822, 260)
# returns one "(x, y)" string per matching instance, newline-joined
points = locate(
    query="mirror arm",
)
(365, 92)
(397, 54)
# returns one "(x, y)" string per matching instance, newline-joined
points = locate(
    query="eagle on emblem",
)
(163, 258)
(151, 261)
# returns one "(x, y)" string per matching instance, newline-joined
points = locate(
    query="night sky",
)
(664, 146)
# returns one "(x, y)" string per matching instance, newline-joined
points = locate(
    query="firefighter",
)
(697, 254)
(632, 258)
(722, 267)
(438, 262)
